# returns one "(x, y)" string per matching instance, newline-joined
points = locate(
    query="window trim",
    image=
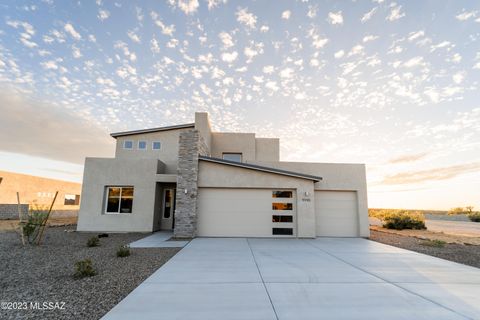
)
(159, 144)
(138, 145)
(125, 142)
(107, 188)
(235, 153)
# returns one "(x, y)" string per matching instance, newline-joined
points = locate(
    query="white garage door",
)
(246, 212)
(336, 213)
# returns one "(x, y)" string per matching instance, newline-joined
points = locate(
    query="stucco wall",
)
(233, 142)
(202, 124)
(336, 176)
(224, 176)
(168, 152)
(267, 149)
(101, 172)
(36, 190)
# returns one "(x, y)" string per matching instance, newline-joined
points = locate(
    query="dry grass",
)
(11, 225)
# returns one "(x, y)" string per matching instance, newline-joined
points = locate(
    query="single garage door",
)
(336, 213)
(246, 212)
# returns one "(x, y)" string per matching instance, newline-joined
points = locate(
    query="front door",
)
(168, 220)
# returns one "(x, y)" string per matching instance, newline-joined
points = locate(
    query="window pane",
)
(282, 231)
(237, 157)
(156, 145)
(277, 218)
(142, 145)
(282, 194)
(127, 192)
(126, 205)
(282, 206)
(113, 192)
(112, 204)
(128, 144)
(77, 199)
(69, 200)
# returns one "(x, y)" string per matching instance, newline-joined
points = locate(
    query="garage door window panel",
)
(280, 219)
(282, 194)
(282, 206)
(282, 231)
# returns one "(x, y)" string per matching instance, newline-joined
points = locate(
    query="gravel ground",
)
(44, 274)
(466, 254)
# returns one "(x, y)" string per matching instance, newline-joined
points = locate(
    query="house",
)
(37, 193)
(197, 182)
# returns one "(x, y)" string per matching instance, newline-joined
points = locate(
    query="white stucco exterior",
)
(250, 185)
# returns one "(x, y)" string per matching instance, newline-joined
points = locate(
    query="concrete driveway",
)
(303, 279)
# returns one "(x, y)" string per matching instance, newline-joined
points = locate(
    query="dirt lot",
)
(8, 225)
(455, 251)
(45, 273)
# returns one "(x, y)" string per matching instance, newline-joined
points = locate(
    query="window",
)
(237, 157)
(282, 206)
(276, 218)
(282, 231)
(128, 144)
(119, 200)
(71, 200)
(142, 145)
(156, 145)
(282, 194)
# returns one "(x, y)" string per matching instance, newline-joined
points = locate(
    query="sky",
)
(392, 84)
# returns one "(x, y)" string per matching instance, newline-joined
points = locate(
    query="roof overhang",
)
(261, 168)
(133, 132)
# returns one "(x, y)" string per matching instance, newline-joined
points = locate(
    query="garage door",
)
(336, 213)
(246, 212)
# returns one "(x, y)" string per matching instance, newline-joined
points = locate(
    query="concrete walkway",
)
(158, 240)
(303, 279)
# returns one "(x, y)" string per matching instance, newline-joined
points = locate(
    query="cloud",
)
(226, 39)
(246, 18)
(286, 14)
(166, 30)
(435, 174)
(415, 35)
(133, 36)
(466, 15)
(229, 57)
(414, 62)
(367, 16)
(408, 158)
(215, 3)
(39, 129)
(339, 54)
(188, 6)
(103, 15)
(369, 38)
(335, 18)
(395, 14)
(71, 30)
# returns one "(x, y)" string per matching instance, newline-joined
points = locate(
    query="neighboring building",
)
(37, 191)
(196, 182)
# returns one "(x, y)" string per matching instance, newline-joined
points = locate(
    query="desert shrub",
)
(123, 251)
(400, 220)
(93, 242)
(36, 218)
(457, 210)
(474, 216)
(84, 268)
(434, 243)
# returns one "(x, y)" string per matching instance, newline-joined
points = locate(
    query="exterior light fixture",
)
(186, 191)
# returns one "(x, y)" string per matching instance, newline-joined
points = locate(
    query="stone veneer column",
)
(190, 145)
